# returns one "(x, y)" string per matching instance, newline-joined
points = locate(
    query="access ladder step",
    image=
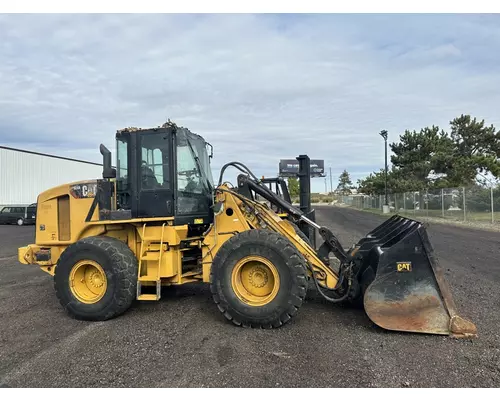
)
(148, 297)
(151, 239)
(148, 278)
(155, 256)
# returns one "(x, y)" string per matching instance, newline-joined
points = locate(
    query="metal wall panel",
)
(24, 175)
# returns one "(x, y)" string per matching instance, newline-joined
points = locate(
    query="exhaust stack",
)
(108, 172)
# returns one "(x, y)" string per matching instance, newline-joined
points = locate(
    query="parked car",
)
(18, 214)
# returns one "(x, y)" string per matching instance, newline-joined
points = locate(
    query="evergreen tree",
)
(345, 185)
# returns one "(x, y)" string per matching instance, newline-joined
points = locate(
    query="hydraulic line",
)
(326, 297)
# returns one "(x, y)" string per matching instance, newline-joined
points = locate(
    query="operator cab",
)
(161, 172)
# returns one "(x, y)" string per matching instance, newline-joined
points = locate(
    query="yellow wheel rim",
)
(87, 281)
(255, 280)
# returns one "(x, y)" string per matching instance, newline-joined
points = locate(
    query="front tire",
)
(20, 222)
(258, 279)
(96, 278)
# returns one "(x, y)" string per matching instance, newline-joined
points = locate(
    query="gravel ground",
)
(183, 341)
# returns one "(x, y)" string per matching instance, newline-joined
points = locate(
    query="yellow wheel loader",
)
(158, 219)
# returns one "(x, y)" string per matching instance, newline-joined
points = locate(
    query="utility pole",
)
(331, 182)
(326, 189)
(384, 135)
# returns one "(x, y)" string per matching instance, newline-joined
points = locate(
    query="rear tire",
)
(248, 264)
(104, 261)
(20, 222)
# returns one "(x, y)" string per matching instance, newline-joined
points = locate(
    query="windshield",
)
(193, 170)
(194, 178)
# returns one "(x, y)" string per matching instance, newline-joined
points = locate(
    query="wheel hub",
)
(88, 281)
(255, 280)
(96, 279)
(258, 277)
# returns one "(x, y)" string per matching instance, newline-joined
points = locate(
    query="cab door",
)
(155, 175)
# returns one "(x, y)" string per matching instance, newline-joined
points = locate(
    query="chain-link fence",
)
(462, 204)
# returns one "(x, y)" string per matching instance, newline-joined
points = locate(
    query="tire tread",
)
(124, 264)
(294, 260)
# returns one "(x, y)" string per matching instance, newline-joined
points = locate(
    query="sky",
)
(259, 88)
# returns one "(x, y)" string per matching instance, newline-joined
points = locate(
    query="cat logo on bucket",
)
(404, 266)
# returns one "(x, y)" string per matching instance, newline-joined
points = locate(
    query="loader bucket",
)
(408, 291)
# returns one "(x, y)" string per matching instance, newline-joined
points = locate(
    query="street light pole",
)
(384, 135)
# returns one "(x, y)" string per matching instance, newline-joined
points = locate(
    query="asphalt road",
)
(183, 340)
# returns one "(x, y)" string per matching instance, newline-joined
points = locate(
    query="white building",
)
(25, 174)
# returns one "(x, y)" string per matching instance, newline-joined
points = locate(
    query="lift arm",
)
(247, 184)
(258, 216)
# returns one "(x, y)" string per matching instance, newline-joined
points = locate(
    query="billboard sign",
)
(290, 168)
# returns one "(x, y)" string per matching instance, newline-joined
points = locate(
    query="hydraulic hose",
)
(242, 167)
(326, 297)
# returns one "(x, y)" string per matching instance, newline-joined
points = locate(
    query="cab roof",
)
(168, 124)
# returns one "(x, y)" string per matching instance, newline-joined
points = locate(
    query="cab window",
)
(155, 172)
(122, 161)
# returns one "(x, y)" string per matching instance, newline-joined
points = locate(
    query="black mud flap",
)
(406, 290)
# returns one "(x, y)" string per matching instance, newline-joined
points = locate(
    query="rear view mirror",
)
(211, 150)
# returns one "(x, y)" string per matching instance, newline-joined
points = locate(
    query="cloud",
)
(258, 87)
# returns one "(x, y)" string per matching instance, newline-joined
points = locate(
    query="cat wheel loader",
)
(158, 219)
